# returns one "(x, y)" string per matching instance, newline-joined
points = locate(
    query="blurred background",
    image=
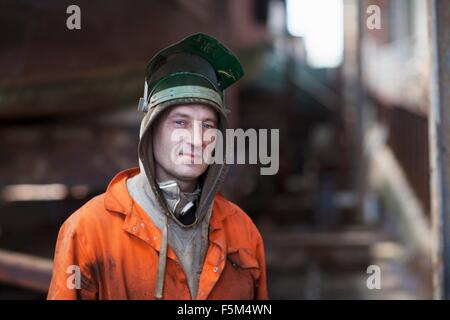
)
(351, 99)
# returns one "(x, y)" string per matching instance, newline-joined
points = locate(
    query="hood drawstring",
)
(162, 262)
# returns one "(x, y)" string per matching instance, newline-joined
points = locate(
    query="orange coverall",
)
(116, 247)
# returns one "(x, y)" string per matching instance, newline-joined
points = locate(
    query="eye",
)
(208, 126)
(180, 122)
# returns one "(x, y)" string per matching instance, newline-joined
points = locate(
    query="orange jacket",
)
(116, 245)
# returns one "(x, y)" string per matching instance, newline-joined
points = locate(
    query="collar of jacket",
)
(117, 199)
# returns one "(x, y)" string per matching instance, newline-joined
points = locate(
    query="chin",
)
(189, 171)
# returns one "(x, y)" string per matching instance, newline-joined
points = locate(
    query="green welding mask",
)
(197, 69)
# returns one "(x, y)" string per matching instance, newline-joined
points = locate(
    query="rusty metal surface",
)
(68, 153)
(439, 142)
(49, 70)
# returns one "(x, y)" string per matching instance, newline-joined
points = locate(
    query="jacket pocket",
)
(241, 275)
(243, 262)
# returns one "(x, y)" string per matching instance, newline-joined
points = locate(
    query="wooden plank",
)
(25, 270)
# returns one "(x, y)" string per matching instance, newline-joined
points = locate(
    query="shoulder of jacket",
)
(89, 216)
(236, 216)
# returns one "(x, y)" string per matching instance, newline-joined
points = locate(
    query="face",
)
(182, 137)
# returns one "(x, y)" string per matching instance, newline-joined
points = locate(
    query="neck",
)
(184, 185)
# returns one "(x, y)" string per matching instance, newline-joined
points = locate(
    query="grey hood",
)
(211, 180)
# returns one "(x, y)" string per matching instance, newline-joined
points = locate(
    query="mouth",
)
(191, 155)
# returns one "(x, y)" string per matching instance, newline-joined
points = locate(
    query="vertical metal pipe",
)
(439, 134)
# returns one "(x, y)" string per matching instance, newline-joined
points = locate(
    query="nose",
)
(197, 135)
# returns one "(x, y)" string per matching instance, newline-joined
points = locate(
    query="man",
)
(162, 230)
